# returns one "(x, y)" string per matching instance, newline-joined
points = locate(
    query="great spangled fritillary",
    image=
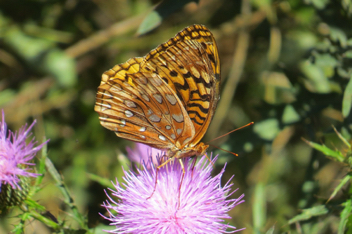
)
(167, 98)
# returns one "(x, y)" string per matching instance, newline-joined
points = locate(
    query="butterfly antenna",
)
(223, 150)
(249, 124)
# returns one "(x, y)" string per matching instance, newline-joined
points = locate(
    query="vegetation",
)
(286, 65)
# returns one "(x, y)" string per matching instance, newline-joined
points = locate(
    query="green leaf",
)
(309, 213)
(327, 151)
(345, 216)
(42, 168)
(29, 48)
(339, 186)
(317, 78)
(61, 66)
(348, 54)
(72, 231)
(103, 181)
(42, 55)
(290, 115)
(342, 138)
(100, 229)
(6, 96)
(19, 228)
(327, 63)
(347, 99)
(151, 21)
(161, 11)
(337, 35)
(33, 204)
(319, 4)
(267, 129)
(80, 218)
(343, 73)
(271, 230)
(259, 208)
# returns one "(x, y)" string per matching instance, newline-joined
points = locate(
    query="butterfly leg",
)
(156, 175)
(179, 188)
(193, 164)
(209, 160)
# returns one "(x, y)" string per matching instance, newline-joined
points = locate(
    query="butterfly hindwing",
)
(167, 98)
(189, 63)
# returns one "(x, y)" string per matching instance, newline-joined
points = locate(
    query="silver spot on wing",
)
(158, 98)
(161, 137)
(171, 99)
(128, 113)
(154, 118)
(130, 104)
(178, 118)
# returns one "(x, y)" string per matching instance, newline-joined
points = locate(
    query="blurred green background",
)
(285, 65)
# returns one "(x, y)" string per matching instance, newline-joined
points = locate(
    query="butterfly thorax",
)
(188, 151)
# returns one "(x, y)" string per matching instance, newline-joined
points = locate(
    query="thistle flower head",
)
(200, 205)
(15, 154)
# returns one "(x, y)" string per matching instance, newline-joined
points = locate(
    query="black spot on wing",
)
(211, 58)
(180, 86)
(201, 108)
(166, 80)
(173, 73)
(195, 121)
(205, 97)
(197, 114)
(187, 75)
(200, 80)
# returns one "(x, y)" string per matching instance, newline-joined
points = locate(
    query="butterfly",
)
(167, 98)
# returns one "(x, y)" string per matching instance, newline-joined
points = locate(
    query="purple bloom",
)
(204, 203)
(15, 154)
(142, 153)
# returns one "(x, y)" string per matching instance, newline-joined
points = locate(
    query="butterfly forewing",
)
(167, 98)
(137, 111)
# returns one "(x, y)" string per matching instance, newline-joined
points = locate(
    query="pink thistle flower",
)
(15, 154)
(204, 203)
